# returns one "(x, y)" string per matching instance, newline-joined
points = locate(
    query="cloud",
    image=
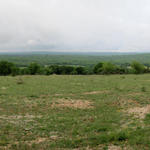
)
(75, 25)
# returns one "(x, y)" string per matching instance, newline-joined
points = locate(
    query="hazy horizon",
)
(72, 51)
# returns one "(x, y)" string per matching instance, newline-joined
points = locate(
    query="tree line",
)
(8, 68)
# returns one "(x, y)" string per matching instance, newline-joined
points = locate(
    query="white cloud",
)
(75, 25)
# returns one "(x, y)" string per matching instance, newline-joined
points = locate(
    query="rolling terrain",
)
(81, 59)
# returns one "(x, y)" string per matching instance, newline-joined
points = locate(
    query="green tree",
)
(137, 67)
(34, 68)
(108, 68)
(80, 70)
(47, 71)
(15, 71)
(6, 68)
(24, 71)
(98, 68)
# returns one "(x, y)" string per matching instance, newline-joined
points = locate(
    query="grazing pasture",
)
(108, 112)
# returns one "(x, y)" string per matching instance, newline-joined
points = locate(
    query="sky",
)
(75, 25)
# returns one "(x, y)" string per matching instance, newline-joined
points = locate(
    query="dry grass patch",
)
(95, 92)
(113, 147)
(19, 116)
(37, 141)
(121, 102)
(135, 94)
(76, 104)
(58, 94)
(3, 88)
(45, 96)
(17, 119)
(139, 112)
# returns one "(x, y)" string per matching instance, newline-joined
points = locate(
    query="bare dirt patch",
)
(64, 94)
(58, 94)
(139, 112)
(19, 117)
(76, 104)
(135, 94)
(129, 103)
(121, 102)
(95, 92)
(37, 141)
(3, 88)
(113, 147)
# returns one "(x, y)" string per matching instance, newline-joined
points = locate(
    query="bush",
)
(47, 71)
(24, 71)
(98, 68)
(143, 89)
(108, 68)
(80, 70)
(6, 68)
(34, 68)
(137, 67)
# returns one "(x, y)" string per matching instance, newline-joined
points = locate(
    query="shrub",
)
(6, 68)
(80, 70)
(137, 67)
(98, 68)
(108, 68)
(34, 68)
(143, 89)
(14, 71)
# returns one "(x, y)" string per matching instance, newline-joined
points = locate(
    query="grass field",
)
(75, 112)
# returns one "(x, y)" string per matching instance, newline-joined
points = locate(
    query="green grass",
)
(32, 117)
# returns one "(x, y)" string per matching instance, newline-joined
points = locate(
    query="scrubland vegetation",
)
(75, 112)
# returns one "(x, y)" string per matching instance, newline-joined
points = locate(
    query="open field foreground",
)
(75, 112)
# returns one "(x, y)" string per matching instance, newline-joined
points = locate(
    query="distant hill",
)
(84, 59)
(66, 53)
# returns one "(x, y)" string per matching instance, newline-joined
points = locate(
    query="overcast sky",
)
(75, 25)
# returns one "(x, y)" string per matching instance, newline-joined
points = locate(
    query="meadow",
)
(84, 112)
